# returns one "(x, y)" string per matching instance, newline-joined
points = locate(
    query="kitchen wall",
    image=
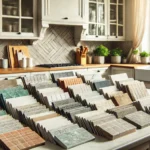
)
(58, 46)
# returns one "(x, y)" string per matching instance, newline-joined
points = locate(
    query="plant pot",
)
(116, 59)
(99, 59)
(144, 60)
(124, 60)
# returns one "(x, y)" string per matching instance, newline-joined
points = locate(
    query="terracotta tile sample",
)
(25, 138)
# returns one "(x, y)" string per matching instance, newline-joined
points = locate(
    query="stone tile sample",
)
(140, 119)
(2, 112)
(119, 83)
(73, 138)
(122, 99)
(90, 119)
(56, 76)
(144, 103)
(118, 77)
(137, 90)
(8, 124)
(115, 129)
(122, 111)
(8, 83)
(79, 88)
(101, 84)
(25, 138)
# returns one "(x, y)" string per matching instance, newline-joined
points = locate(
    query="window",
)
(145, 46)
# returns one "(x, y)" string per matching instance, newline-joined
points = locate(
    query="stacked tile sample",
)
(105, 124)
(118, 77)
(56, 76)
(122, 99)
(8, 83)
(144, 104)
(139, 119)
(122, 111)
(7, 93)
(110, 91)
(78, 88)
(64, 83)
(20, 139)
(101, 84)
(137, 90)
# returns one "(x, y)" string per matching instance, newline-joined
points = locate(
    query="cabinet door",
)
(18, 18)
(116, 19)
(64, 11)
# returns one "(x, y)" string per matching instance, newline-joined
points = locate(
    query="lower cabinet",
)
(118, 70)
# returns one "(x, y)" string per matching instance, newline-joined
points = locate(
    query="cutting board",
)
(12, 54)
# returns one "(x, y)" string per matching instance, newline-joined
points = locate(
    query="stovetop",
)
(57, 65)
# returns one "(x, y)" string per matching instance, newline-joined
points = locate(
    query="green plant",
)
(135, 52)
(101, 51)
(144, 54)
(116, 52)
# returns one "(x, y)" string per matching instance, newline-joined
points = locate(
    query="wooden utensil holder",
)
(80, 59)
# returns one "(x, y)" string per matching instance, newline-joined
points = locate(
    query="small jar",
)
(14, 12)
(24, 63)
(30, 62)
(15, 27)
(5, 63)
(8, 10)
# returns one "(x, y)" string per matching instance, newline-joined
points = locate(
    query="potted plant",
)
(124, 59)
(144, 57)
(116, 55)
(100, 53)
(135, 56)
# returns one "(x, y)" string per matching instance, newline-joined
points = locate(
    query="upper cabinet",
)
(67, 12)
(18, 19)
(106, 20)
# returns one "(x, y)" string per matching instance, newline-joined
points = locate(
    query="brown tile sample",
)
(122, 99)
(115, 129)
(8, 83)
(21, 139)
(140, 119)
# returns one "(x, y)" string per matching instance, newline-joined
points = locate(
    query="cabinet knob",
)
(66, 18)
(19, 33)
(116, 36)
(96, 36)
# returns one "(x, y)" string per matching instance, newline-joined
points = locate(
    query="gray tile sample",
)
(101, 84)
(73, 138)
(56, 76)
(140, 119)
(122, 111)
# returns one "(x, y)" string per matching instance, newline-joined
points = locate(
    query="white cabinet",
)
(18, 19)
(129, 71)
(106, 20)
(68, 12)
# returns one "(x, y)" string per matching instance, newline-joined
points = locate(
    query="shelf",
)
(27, 18)
(11, 17)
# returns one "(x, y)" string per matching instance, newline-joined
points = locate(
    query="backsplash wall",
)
(57, 46)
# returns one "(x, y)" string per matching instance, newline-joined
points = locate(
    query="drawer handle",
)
(66, 18)
(19, 33)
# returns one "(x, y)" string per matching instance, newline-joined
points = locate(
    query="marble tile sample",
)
(122, 111)
(118, 77)
(140, 119)
(115, 129)
(25, 138)
(73, 138)
(122, 99)
(101, 84)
